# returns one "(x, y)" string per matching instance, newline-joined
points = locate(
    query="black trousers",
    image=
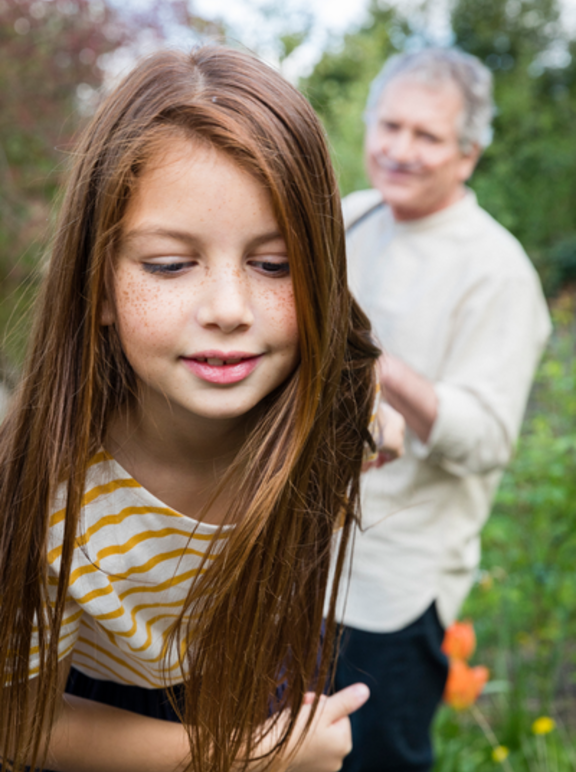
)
(406, 672)
(154, 703)
(146, 702)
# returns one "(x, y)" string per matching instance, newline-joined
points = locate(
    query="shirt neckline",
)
(119, 471)
(450, 213)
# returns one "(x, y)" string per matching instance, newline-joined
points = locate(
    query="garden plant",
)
(524, 602)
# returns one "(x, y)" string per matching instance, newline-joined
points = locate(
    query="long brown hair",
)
(298, 473)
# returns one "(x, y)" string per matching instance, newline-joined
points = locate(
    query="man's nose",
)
(401, 147)
(225, 300)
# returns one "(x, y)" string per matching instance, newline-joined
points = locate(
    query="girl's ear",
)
(107, 312)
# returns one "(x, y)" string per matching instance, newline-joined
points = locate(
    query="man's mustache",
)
(395, 166)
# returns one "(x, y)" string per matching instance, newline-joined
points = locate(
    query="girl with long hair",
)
(186, 440)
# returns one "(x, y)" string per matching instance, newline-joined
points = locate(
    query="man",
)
(459, 312)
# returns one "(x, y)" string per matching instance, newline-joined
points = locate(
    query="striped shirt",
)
(133, 564)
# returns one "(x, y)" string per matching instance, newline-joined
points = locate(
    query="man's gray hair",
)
(435, 67)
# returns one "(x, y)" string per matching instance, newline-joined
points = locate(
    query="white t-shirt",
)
(455, 297)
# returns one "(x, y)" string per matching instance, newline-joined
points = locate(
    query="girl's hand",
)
(329, 738)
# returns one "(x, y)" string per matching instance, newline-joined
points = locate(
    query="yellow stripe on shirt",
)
(132, 570)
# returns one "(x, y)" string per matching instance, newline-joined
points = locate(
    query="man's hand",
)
(390, 442)
(410, 393)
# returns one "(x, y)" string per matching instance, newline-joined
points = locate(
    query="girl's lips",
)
(225, 373)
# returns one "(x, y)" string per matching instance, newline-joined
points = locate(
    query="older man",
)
(460, 314)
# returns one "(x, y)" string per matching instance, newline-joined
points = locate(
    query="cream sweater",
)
(454, 296)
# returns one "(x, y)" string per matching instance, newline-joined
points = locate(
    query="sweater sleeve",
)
(499, 334)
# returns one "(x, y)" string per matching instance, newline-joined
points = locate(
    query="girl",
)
(187, 437)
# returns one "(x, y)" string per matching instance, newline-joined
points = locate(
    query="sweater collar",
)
(445, 216)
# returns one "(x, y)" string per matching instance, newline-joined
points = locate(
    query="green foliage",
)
(527, 178)
(524, 604)
(561, 263)
(462, 747)
(506, 31)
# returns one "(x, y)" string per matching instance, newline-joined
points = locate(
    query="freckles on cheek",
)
(134, 303)
(143, 315)
(282, 316)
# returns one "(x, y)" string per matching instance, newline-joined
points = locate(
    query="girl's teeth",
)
(219, 362)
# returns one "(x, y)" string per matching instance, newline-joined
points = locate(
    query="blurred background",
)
(56, 59)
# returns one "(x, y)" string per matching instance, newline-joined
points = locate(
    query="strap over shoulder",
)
(360, 205)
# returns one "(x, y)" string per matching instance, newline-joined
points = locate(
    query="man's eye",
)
(272, 268)
(166, 268)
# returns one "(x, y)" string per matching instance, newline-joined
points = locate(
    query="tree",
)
(50, 57)
(338, 87)
(527, 177)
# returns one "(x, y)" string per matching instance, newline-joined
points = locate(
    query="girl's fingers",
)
(346, 701)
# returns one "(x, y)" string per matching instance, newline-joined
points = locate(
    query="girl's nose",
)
(225, 301)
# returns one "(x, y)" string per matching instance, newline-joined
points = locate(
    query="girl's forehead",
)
(180, 164)
(178, 153)
(190, 183)
(174, 147)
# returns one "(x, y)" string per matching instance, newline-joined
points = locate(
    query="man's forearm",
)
(410, 393)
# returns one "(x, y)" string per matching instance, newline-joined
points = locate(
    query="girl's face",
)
(204, 304)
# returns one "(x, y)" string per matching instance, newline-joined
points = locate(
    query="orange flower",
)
(459, 641)
(464, 684)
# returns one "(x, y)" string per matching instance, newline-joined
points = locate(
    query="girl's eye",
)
(167, 269)
(270, 268)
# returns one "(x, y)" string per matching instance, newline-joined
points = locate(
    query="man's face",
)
(412, 153)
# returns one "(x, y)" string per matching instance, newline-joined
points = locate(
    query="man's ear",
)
(468, 162)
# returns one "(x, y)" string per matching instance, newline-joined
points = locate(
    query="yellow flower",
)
(486, 581)
(543, 725)
(500, 753)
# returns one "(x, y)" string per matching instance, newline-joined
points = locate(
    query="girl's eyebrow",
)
(166, 233)
(190, 238)
(266, 237)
